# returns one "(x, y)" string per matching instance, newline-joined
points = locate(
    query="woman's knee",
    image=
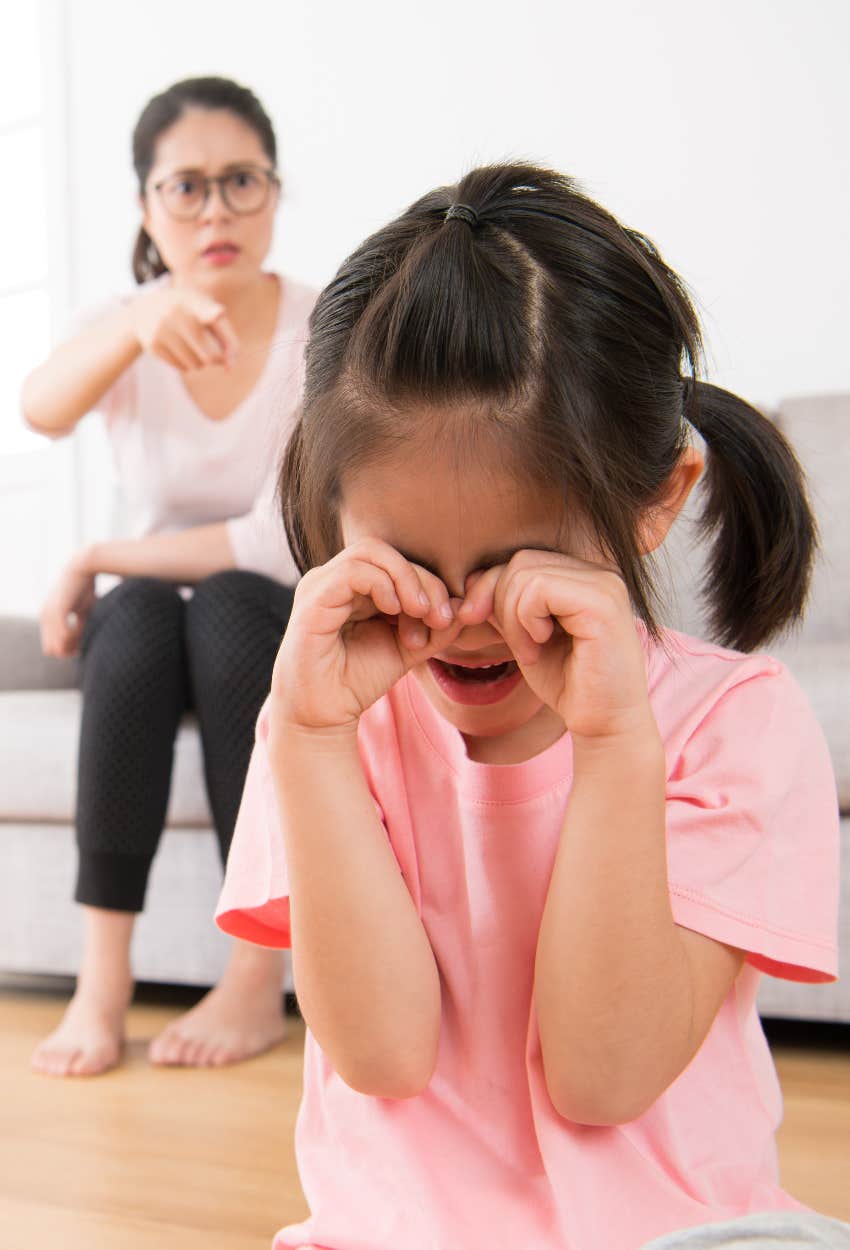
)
(136, 627)
(225, 604)
(228, 589)
(234, 624)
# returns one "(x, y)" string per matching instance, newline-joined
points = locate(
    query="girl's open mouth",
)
(476, 684)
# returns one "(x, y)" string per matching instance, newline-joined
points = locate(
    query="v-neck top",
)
(178, 467)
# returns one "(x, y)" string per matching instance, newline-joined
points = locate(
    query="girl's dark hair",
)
(161, 112)
(539, 321)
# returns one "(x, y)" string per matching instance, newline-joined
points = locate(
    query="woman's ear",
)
(656, 520)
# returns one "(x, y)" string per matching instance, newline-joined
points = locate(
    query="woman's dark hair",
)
(161, 112)
(538, 320)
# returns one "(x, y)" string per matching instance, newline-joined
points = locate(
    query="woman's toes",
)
(220, 1056)
(63, 1055)
(164, 1048)
(80, 1064)
(193, 1053)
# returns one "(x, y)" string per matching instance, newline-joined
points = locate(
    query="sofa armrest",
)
(23, 666)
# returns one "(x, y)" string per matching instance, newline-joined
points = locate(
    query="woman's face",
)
(219, 250)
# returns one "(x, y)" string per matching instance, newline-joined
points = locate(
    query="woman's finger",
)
(226, 336)
(204, 345)
(179, 351)
(197, 340)
(163, 354)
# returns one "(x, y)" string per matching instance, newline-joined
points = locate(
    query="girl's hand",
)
(66, 609)
(358, 624)
(570, 627)
(184, 328)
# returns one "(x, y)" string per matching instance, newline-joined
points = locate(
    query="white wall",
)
(717, 129)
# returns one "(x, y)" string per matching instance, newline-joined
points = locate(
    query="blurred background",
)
(718, 130)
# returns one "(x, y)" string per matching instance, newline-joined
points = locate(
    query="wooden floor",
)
(161, 1159)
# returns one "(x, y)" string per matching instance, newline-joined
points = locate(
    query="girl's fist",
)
(358, 624)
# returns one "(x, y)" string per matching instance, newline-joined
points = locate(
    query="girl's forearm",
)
(612, 986)
(184, 556)
(364, 971)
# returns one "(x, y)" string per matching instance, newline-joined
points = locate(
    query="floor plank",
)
(146, 1158)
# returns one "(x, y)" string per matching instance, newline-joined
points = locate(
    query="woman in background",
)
(198, 376)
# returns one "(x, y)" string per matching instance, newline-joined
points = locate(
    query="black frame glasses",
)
(232, 194)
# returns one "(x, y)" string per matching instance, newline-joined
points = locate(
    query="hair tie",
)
(462, 212)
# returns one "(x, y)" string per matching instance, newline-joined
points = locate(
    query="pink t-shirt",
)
(179, 468)
(481, 1158)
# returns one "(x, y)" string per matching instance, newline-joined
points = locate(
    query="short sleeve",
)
(753, 830)
(254, 901)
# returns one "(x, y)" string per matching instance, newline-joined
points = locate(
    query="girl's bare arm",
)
(365, 974)
(624, 996)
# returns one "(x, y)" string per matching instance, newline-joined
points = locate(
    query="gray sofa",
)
(176, 940)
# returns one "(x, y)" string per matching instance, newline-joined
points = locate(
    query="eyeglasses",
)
(243, 190)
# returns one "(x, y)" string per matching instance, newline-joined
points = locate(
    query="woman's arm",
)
(185, 556)
(364, 971)
(74, 377)
(183, 327)
(624, 996)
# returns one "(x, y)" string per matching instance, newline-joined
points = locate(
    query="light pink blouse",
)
(178, 468)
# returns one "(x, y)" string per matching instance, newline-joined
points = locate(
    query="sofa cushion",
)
(822, 668)
(818, 427)
(23, 665)
(39, 732)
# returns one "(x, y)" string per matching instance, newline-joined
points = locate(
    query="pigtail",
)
(757, 515)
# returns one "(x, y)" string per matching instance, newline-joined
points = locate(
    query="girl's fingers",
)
(480, 591)
(420, 593)
(413, 635)
(441, 609)
(539, 602)
(374, 585)
(371, 578)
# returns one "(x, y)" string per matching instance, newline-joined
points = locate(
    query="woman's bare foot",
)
(89, 1039)
(90, 1036)
(240, 1017)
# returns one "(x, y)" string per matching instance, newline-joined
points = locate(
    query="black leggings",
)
(148, 656)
